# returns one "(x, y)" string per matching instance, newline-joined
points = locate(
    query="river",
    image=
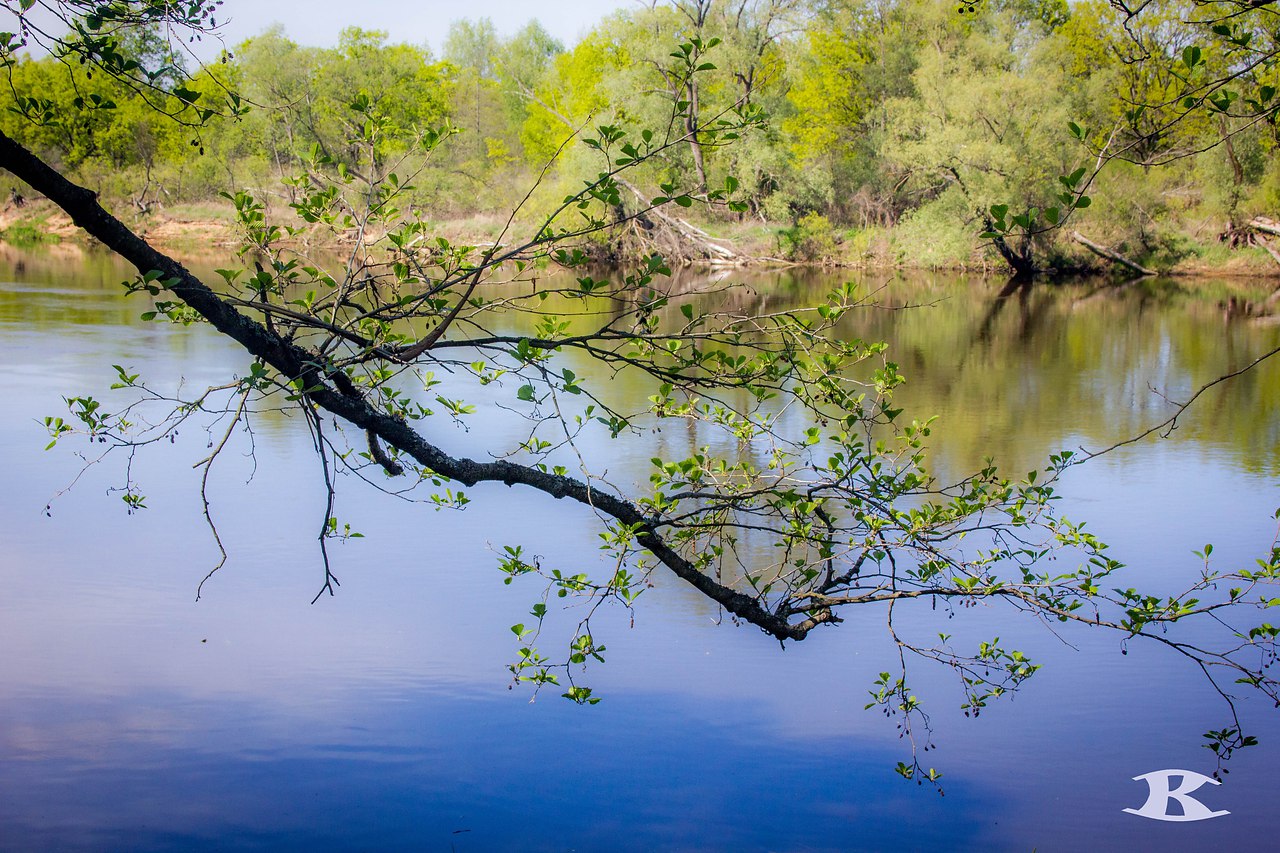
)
(136, 717)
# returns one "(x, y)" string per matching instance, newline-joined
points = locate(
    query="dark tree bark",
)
(1020, 262)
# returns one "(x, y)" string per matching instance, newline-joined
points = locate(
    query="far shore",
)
(201, 229)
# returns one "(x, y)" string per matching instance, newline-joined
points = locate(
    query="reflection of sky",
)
(427, 773)
(136, 717)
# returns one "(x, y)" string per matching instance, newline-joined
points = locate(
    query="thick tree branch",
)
(296, 363)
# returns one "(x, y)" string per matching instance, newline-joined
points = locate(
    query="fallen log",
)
(1104, 252)
(1268, 248)
(1255, 232)
(656, 230)
(1265, 225)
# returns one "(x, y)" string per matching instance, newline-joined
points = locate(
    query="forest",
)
(890, 133)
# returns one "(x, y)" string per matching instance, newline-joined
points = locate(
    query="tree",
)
(805, 499)
(749, 67)
(857, 57)
(494, 82)
(982, 124)
(1183, 79)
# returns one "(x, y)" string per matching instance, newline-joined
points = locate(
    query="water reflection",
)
(427, 774)
(137, 718)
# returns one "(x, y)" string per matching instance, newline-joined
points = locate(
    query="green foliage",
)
(25, 234)
(885, 115)
(939, 234)
(812, 239)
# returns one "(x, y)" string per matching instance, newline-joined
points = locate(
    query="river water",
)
(134, 717)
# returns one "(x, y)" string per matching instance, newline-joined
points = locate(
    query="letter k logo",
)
(1157, 804)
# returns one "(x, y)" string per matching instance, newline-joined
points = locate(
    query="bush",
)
(938, 234)
(812, 239)
(26, 234)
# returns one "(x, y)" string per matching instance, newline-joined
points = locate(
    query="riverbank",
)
(188, 228)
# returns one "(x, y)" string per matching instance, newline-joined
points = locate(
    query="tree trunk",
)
(691, 129)
(1020, 263)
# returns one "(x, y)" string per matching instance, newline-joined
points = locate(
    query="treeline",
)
(895, 126)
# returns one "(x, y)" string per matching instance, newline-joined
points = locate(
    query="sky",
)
(317, 22)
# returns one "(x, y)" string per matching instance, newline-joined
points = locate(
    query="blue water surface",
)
(136, 718)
